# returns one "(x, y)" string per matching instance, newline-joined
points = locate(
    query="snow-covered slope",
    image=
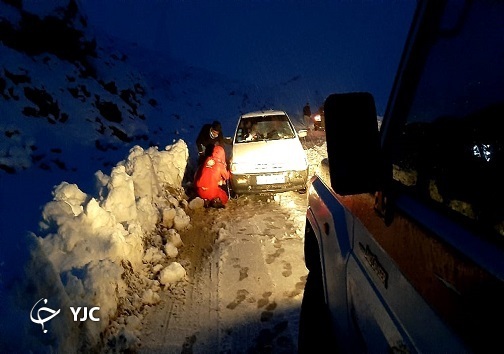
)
(76, 88)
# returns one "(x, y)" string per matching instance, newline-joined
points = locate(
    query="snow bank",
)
(95, 249)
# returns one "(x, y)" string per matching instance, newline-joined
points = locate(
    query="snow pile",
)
(114, 250)
(172, 273)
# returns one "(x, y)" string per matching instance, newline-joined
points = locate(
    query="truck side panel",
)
(384, 303)
(365, 291)
(333, 228)
(463, 295)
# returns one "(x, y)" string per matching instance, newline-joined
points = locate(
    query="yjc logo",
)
(53, 313)
(40, 320)
(85, 313)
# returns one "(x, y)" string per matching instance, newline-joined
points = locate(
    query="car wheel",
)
(233, 195)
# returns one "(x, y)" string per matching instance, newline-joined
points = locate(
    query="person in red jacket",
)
(211, 175)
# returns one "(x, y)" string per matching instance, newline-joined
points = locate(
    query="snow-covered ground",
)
(124, 251)
(94, 159)
(247, 293)
(244, 283)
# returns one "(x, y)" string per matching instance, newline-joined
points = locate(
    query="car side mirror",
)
(302, 133)
(353, 143)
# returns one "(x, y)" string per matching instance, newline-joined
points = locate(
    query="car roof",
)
(269, 112)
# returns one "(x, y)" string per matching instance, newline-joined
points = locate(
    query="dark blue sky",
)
(332, 45)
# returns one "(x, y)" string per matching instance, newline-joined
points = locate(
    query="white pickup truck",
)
(404, 237)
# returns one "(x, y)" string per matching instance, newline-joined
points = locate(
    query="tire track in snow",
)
(203, 314)
(246, 293)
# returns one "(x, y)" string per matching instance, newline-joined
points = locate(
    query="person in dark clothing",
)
(209, 134)
(307, 115)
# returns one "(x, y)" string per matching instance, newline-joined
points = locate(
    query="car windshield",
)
(273, 127)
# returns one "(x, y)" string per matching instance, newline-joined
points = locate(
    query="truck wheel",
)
(311, 250)
(314, 322)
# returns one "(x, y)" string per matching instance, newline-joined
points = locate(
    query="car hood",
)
(269, 156)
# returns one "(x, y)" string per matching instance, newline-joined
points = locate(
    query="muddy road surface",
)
(245, 281)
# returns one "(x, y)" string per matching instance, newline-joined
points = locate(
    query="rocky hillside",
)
(62, 88)
(55, 79)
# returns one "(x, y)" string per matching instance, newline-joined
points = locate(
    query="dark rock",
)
(44, 101)
(7, 169)
(10, 134)
(109, 111)
(120, 134)
(17, 78)
(110, 87)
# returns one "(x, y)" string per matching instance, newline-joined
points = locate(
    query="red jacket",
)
(213, 171)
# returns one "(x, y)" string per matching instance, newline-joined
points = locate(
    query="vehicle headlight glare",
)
(241, 180)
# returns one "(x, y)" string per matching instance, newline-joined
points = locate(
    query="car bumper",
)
(318, 126)
(253, 183)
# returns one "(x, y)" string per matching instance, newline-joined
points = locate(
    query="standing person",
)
(307, 115)
(210, 134)
(211, 175)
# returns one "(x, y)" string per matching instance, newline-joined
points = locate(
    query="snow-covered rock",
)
(174, 238)
(150, 297)
(196, 203)
(172, 274)
(153, 255)
(171, 250)
(181, 220)
(169, 214)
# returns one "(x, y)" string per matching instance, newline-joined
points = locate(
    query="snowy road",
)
(245, 277)
(246, 294)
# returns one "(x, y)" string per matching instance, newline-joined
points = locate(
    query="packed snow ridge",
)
(114, 249)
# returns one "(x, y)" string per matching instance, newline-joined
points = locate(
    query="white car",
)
(267, 155)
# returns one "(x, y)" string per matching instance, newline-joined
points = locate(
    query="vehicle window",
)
(451, 149)
(264, 128)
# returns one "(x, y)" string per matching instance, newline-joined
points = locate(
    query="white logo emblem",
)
(39, 320)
